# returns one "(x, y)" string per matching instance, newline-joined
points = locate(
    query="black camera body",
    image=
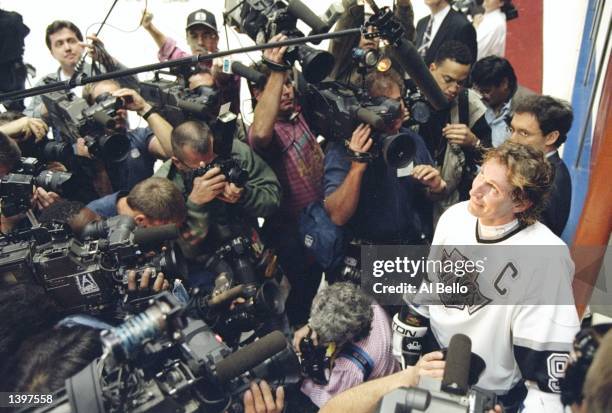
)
(177, 103)
(231, 168)
(17, 187)
(74, 118)
(334, 110)
(315, 362)
(90, 276)
(263, 19)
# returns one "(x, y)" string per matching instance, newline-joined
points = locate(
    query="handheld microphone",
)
(457, 370)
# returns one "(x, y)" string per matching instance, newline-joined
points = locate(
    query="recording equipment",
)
(409, 329)
(334, 110)
(263, 19)
(90, 275)
(386, 26)
(418, 107)
(176, 102)
(585, 347)
(251, 75)
(163, 361)
(17, 188)
(316, 361)
(367, 58)
(449, 395)
(231, 168)
(246, 292)
(74, 119)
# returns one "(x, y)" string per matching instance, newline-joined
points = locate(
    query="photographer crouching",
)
(376, 191)
(346, 342)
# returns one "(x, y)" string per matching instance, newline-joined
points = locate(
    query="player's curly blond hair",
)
(530, 175)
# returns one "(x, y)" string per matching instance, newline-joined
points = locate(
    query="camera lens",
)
(114, 147)
(398, 150)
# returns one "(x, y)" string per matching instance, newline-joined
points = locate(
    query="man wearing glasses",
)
(456, 134)
(202, 38)
(543, 122)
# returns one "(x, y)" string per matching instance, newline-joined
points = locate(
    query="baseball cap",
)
(201, 17)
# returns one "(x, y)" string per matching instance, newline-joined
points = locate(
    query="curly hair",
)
(530, 175)
(341, 313)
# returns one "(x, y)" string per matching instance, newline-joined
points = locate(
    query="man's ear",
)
(551, 138)
(432, 67)
(140, 220)
(521, 206)
(175, 161)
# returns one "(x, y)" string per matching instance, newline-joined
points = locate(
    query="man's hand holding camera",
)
(25, 128)
(143, 288)
(276, 54)
(208, 186)
(133, 101)
(361, 143)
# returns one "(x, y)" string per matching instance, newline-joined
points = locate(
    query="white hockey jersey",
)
(521, 318)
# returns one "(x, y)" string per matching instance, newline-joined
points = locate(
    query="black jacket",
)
(557, 211)
(455, 26)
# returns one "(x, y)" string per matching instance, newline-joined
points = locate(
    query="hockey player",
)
(525, 339)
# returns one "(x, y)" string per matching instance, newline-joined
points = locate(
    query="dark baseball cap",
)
(201, 17)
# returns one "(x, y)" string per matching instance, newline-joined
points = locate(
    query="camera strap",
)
(359, 357)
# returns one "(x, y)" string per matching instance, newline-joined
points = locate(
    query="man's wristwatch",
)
(149, 112)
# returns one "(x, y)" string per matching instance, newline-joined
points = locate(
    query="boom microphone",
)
(250, 356)
(249, 74)
(303, 12)
(457, 370)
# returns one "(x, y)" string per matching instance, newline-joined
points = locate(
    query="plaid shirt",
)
(345, 374)
(297, 159)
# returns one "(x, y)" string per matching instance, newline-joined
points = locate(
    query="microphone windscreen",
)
(303, 12)
(414, 65)
(249, 74)
(250, 356)
(153, 236)
(457, 370)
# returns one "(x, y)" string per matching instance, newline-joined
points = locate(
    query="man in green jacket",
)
(211, 199)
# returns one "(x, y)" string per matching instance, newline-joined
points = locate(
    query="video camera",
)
(449, 395)
(176, 102)
(17, 188)
(74, 119)
(263, 19)
(90, 276)
(417, 105)
(247, 271)
(163, 361)
(334, 110)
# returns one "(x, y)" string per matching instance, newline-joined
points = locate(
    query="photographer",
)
(345, 68)
(517, 340)
(345, 318)
(281, 136)
(211, 199)
(146, 145)
(202, 38)
(494, 79)
(65, 42)
(455, 135)
(377, 203)
(10, 158)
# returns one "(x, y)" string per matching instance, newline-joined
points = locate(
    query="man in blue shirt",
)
(146, 144)
(379, 204)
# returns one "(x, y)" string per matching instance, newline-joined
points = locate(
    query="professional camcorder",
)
(334, 110)
(247, 271)
(449, 395)
(163, 361)
(17, 187)
(74, 119)
(90, 275)
(176, 102)
(263, 19)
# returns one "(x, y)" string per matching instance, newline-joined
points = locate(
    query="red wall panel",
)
(524, 43)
